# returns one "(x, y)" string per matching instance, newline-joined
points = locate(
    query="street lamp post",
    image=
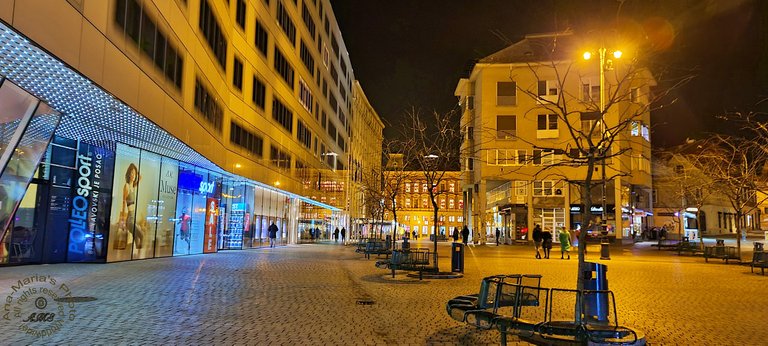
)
(604, 65)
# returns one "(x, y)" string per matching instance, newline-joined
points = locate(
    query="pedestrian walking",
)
(465, 235)
(272, 234)
(537, 240)
(343, 234)
(415, 237)
(498, 234)
(546, 238)
(565, 243)
(455, 234)
(336, 234)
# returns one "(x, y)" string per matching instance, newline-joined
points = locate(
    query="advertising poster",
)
(91, 195)
(211, 223)
(146, 206)
(125, 188)
(166, 208)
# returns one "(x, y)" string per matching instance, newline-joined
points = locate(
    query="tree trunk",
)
(739, 225)
(434, 205)
(586, 220)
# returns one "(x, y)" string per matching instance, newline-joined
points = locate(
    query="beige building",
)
(365, 154)
(688, 206)
(224, 116)
(509, 181)
(415, 212)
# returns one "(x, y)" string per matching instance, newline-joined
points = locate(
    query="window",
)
(283, 67)
(641, 163)
(521, 188)
(285, 22)
(334, 75)
(303, 134)
(634, 95)
(341, 142)
(151, 41)
(637, 128)
(470, 133)
(451, 205)
(545, 157)
(407, 187)
(305, 95)
(212, 33)
(442, 202)
(279, 158)
(547, 122)
(331, 130)
(590, 91)
(470, 164)
(506, 93)
(506, 126)
(306, 57)
(307, 17)
(240, 13)
(245, 139)
(424, 204)
(282, 114)
(407, 202)
(506, 157)
(237, 73)
(335, 46)
(424, 187)
(452, 187)
(343, 66)
(543, 188)
(262, 37)
(548, 88)
(259, 95)
(206, 104)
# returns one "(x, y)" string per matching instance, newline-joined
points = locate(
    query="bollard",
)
(605, 250)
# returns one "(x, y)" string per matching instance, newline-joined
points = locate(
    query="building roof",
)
(536, 47)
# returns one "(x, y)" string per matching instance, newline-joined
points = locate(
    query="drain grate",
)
(74, 299)
(365, 302)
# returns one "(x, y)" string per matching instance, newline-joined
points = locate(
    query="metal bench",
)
(693, 248)
(720, 250)
(759, 260)
(413, 259)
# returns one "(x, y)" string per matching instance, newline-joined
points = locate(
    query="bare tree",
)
(735, 165)
(689, 184)
(394, 175)
(373, 196)
(434, 149)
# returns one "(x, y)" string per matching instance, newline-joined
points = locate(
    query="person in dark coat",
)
(498, 234)
(336, 234)
(465, 235)
(455, 234)
(537, 240)
(546, 237)
(343, 234)
(272, 234)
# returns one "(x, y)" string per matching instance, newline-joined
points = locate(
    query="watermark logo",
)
(38, 305)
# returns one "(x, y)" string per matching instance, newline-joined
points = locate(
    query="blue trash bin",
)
(595, 304)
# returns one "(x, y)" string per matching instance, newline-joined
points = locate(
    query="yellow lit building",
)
(210, 121)
(506, 122)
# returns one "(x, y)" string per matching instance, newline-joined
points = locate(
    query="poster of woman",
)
(122, 233)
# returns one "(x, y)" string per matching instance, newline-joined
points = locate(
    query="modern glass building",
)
(134, 129)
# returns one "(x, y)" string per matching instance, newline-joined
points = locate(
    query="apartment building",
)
(520, 165)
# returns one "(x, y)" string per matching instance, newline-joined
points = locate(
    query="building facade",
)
(415, 214)
(365, 155)
(687, 204)
(141, 128)
(508, 103)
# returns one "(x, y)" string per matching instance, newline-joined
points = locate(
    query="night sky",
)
(411, 53)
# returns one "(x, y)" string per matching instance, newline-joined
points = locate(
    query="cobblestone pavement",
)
(308, 294)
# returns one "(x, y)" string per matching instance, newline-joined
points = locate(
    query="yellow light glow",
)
(617, 54)
(277, 183)
(237, 165)
(587, 55)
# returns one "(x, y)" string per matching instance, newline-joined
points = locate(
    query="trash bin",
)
(595, 304)
(457, 257)
(605, 249)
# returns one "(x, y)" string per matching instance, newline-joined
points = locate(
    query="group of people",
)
(542, 240)
(336, 233)
(464, 235)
